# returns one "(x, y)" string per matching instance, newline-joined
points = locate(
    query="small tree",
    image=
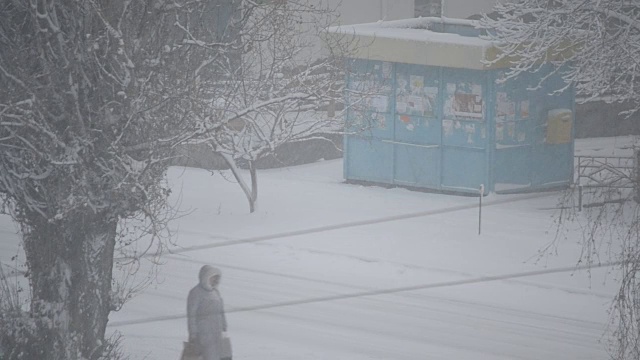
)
(282, 87)
(594, 44)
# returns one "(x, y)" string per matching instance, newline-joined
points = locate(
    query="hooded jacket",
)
(205, 314)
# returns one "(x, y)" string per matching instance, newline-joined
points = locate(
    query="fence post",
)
(577, 182)
(480, 209)
(578, 168)
(579, 197)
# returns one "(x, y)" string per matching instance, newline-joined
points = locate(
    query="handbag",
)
(191, 351)
(226, 352)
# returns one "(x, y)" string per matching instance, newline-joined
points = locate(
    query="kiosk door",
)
(416, 127)
(464, 132)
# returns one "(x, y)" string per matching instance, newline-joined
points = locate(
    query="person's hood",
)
(206, 272)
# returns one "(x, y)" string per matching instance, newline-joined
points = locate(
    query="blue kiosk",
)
(425, 110)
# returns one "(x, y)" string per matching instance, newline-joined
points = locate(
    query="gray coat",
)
(205, 313)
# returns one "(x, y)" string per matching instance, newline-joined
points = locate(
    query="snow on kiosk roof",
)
(431, 41)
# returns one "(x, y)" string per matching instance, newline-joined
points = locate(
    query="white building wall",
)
(357, 12)
(464, 8)
(365, 11)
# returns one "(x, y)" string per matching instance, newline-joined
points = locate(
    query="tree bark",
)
(250, 193)
(254, 185)
(71, 269)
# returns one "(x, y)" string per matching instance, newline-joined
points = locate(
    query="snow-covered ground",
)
(326, 270)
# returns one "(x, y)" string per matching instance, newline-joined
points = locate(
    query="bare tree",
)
(282, 87)
(94, 94)
(595, 45)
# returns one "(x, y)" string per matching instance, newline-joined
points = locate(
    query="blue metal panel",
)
(417, 166)
(464, 119)
(463, 169)
(514, 133)
(369, 98)
(370, 121)
(417, 128)
(553, 166)
(471, 134)
(512, 167)
(369, 160)
(464, 130)
(453, 129)
(526, 154)
(372, 124)
(552, 161)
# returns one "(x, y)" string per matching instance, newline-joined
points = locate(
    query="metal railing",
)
(604, 173)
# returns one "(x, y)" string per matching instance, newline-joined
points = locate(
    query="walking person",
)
(205, 314)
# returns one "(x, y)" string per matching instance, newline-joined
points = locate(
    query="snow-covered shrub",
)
(20, 333)
(17, 328)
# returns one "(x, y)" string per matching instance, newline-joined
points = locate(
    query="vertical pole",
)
(442, 8)
(480, 209)
(579, 197)
(577, 176)
(579, 184)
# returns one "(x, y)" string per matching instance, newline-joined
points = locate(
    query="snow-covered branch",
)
(595, 45)
(94, 96)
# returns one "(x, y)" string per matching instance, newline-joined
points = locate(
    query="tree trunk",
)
(250, 193)
(71, 266)
(254, 185)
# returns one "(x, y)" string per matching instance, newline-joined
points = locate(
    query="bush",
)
(17, 327)
(19, 331)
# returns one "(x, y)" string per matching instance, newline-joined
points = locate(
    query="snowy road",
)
(319, 292)
(299, 296)
(425, 324)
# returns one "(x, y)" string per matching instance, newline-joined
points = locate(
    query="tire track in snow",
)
(467, 275)
(368, 293)
(431, 298)
(442, 326)
(351, 224)
(448, 271)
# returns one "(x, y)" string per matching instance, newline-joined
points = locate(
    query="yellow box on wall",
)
(559, 126)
